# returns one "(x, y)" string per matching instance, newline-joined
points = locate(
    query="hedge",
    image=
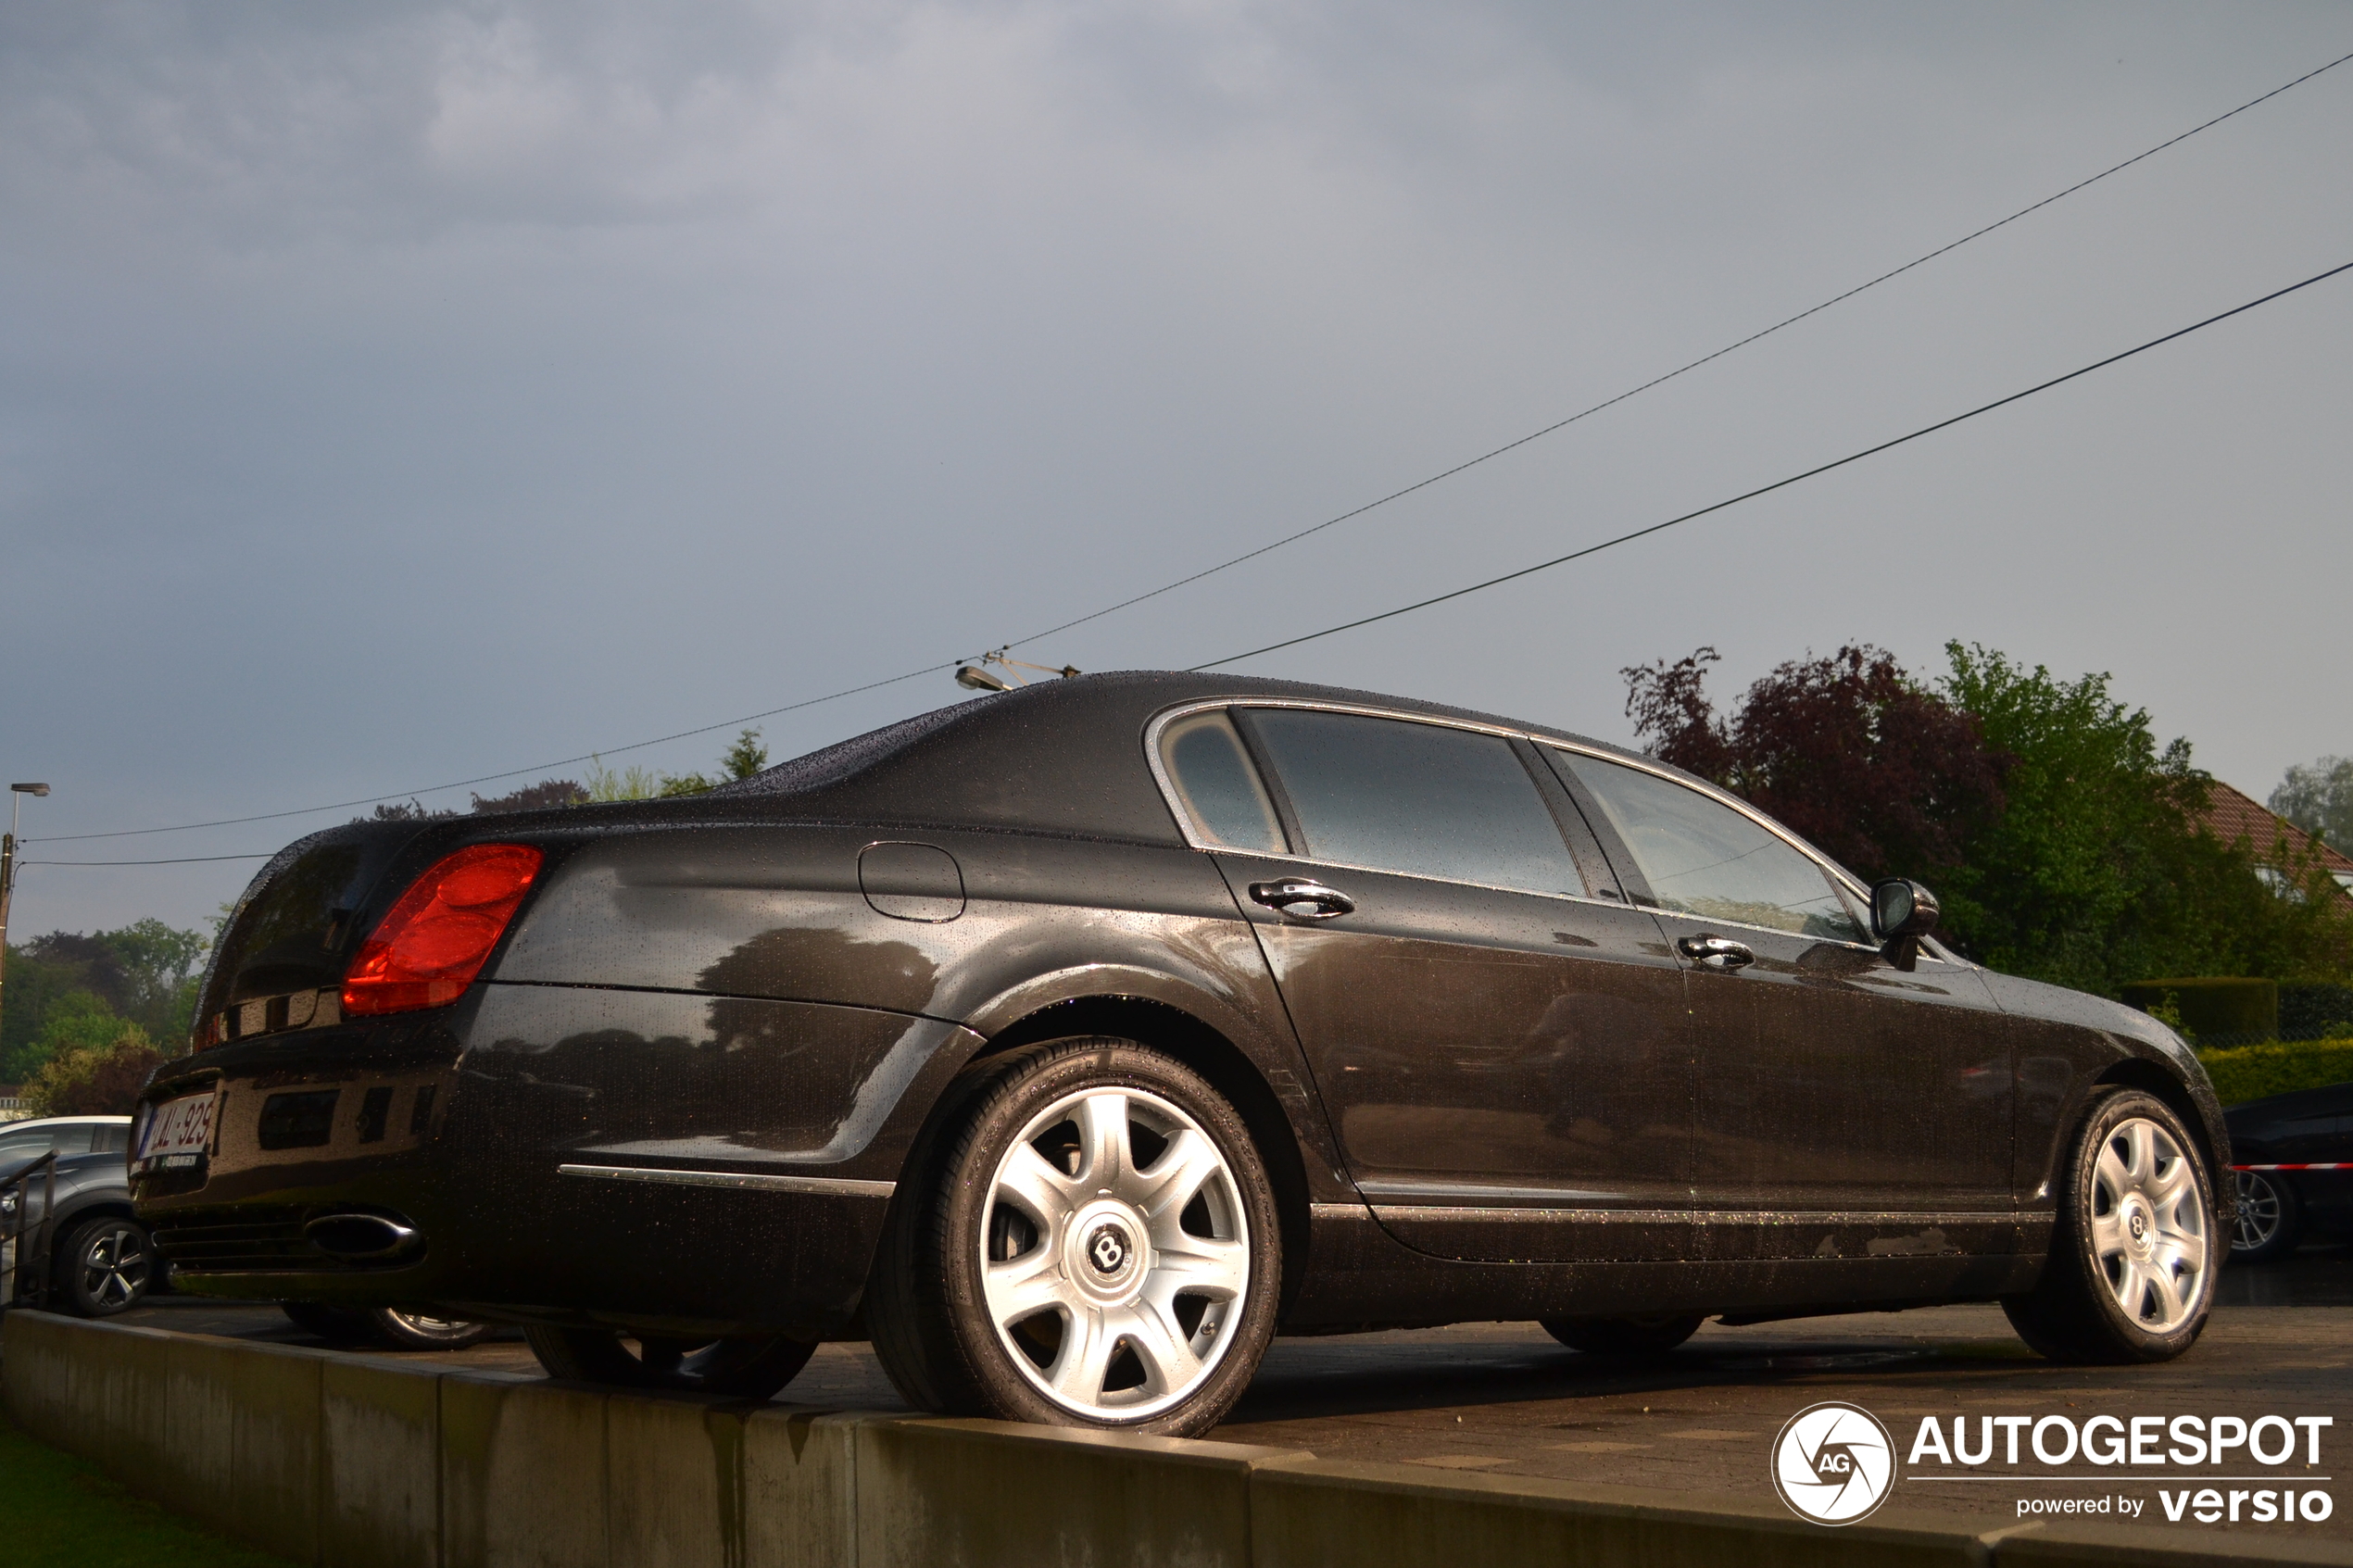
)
(2249, 1073)
(2214, 1010)
(2314, 1009)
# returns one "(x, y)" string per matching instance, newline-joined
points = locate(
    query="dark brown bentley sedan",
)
(1070, 1043)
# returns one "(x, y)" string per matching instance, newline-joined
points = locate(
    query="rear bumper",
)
(560, 1157)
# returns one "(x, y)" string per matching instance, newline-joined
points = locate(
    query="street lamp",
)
(973, 676)
(16, 792)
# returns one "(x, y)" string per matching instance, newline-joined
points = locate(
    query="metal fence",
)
(28, 1197)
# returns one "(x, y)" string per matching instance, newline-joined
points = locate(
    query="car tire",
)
(105, 1267)
(1094, 1242)
(2135, 1244)
(753, 1367)
(2269, 1218)
(406, 1330)
(336, 1325)
(1624, 1338)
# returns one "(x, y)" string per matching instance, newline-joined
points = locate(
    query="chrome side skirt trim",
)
(1426, 1214)
(825, 1186)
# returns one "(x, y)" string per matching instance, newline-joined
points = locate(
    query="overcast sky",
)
(395, 395)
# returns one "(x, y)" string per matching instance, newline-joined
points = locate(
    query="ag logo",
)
(1833, 1463)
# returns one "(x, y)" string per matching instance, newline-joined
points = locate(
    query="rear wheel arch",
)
(1227, 1067)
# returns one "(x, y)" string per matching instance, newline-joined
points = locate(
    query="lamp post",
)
(16, 792)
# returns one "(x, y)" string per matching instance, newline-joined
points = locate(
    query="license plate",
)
(179, 1133)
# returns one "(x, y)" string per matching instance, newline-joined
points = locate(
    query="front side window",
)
(1702, 858)
(1423, 800)
(1217, 784)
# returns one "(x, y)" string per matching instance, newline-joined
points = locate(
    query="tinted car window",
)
(1418, 798)
(1219, 787)
(110, 1139)
(1703, 858)
(22, 1146)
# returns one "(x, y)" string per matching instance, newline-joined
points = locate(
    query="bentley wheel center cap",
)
(2140, 1227)
(1108, 1249)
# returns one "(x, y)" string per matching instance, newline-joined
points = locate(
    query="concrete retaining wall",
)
(358, 1462)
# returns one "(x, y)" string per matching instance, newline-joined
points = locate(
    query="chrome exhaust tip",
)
(362, 1239)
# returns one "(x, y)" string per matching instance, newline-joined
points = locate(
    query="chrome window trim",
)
(825, 1186)
(1195, 839)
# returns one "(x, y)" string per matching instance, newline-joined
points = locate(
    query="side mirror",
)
(1902, 912)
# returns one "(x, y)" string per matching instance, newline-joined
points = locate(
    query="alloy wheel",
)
(2259, 1213)
(1115, 1253)
(114, 1269)
(2148, 1227)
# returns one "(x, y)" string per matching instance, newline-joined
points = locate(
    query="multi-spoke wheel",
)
(2131, 1273)
(108, 1265)
(1096, 1245)
(2268, 1219)
(426, 1330)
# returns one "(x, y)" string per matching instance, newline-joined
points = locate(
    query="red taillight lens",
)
(428, 948)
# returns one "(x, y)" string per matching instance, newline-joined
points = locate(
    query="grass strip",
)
(60, 1511)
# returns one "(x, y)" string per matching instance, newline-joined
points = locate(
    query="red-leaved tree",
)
(1881, 773)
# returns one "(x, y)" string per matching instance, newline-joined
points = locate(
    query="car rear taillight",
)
(429, 947)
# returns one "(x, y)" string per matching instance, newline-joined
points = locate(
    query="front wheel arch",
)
(2136, 1072)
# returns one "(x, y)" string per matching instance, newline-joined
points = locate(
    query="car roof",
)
(1065, 755)
(7, 1127)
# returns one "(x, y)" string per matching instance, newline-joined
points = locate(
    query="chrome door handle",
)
(1717, 952)
(1302, 899)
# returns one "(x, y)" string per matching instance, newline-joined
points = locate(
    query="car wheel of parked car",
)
(753, 1367)
(2268, 1218)
(1094, 1243)
(422, 1331)
(108, 1263)
(1624, 1336)
(2131, 1274)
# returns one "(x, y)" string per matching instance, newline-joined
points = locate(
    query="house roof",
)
(2235, 816)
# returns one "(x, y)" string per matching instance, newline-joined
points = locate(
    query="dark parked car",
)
(101, 1261)
(2293, 1157)
(1068, 1042)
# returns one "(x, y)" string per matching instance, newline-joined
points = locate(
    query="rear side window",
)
(110, 1139)
(1702, 858)
(1423, 800)
(1219, 786)
(22, 1146)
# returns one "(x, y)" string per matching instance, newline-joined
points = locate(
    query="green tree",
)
(2099, 869)
(99, 1080)
(2318, 798)
(76, 1021)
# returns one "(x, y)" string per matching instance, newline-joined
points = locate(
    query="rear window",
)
(1217, 784)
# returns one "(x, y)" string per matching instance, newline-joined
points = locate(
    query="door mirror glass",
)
(1423, 800)
(1219, 786)
(1902, 908)
(1902, 912)
(1704, 859)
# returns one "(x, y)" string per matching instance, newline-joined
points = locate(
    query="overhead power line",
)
(176, 860)
(1234, 562)
(1680, 369)
(462, 784)
(1779, 483)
